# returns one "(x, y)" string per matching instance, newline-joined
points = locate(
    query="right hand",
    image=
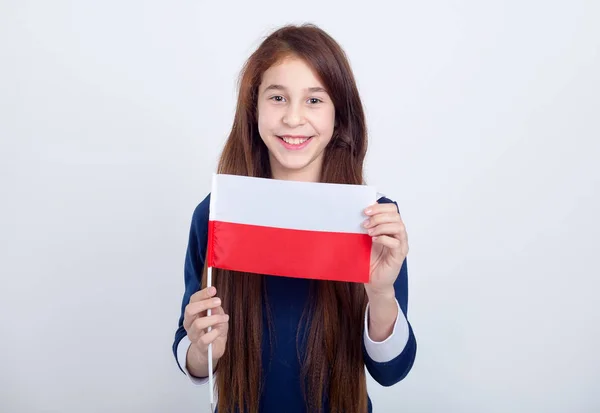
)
(196, 322)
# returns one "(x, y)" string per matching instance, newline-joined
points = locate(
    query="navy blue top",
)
(287, 298)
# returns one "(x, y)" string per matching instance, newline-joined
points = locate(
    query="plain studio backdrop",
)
(484, 126)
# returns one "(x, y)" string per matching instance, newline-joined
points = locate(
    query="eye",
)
(277, 98)
(314, 100)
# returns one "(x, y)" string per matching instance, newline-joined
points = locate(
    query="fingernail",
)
(366, 223)
(370, 231)
(226, 317)
(212, 290)
(368, 211)
(217, 301)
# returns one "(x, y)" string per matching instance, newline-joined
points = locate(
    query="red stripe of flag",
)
(286, 252)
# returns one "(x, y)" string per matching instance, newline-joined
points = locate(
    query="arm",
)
(187, 360)
(183, 347)
(383, 311)
(389, 342)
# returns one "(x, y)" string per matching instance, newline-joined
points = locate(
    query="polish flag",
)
(289, 228)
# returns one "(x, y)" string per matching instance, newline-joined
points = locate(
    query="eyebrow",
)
(310, 89)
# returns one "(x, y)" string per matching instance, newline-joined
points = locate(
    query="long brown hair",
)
(332, 365)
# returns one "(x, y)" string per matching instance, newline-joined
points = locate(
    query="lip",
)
(294, 136)
(294, 147)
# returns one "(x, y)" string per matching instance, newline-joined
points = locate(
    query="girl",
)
(297, 345)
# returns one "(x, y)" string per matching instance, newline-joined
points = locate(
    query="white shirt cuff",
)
(391, 347)
(182, 349)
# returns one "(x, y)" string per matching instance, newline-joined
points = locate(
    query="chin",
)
(295, 165)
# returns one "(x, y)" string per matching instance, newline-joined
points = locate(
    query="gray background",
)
(484, 126)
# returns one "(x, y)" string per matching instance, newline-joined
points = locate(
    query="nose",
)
(294, 116)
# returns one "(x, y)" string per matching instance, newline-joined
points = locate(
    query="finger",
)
(382, 219)
(201, 324)
(195, 309)
(395, 229)
(216, 310)
(380, 208)
(219, 331)
(203, 294)
(218, 322)
(388, 241)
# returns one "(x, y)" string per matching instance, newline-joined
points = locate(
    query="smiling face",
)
(296, 119)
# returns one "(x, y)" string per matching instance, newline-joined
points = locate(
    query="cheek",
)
(324, 122)
(267, 118)
(263, 127)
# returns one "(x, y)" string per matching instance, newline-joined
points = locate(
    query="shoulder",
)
(382, 199)
(200, 215)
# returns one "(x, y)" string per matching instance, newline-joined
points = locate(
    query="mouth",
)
(294, 142)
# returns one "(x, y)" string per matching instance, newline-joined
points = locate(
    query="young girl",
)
(287, 345)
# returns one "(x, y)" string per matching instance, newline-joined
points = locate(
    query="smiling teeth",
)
(294, 141)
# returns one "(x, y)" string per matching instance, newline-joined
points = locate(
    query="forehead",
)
(291, 72)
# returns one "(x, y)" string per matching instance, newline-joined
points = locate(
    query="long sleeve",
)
(391, 371)
(194, 265)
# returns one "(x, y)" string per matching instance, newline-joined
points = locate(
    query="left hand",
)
(390, 246)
